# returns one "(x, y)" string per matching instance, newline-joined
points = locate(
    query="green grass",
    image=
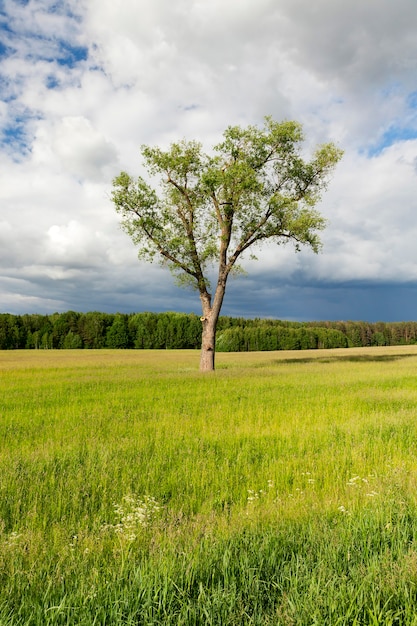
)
(285, 483)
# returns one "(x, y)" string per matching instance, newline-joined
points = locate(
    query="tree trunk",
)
(209, 322)
(208, 344)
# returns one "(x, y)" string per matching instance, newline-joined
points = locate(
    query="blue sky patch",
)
(71, 55)
(5, 28)
(15, 137)
(4, 50)
(412, 100)
(52, 82)
(393, 135)
(41, 45)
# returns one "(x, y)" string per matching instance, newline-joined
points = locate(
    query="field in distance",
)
(280, 489)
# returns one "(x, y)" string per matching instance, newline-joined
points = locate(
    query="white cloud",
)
(81, 149)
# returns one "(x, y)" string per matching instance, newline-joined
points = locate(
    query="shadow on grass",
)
(354, 358)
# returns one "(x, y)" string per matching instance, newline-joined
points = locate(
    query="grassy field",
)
(282, 489)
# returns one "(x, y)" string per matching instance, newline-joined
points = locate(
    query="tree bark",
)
(209, 321)
(208, 343)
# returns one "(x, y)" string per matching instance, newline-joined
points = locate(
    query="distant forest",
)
(73, 330)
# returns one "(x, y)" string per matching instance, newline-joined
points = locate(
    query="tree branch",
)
(189, 231)
(249, 239)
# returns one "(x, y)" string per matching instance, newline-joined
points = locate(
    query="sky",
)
(84, 83)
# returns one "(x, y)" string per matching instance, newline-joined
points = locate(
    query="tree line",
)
(72, 330)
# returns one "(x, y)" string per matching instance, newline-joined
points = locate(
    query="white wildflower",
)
(252, 495)
(343, 510)
(12, 539)
(134, 513)
(352, 482)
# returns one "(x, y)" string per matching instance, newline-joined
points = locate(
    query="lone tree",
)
(209, 209)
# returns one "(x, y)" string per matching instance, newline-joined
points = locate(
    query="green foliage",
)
(72, 341)
(275, 337)
(182, 331)
(211, 208)
(92, 328)
(117, 335)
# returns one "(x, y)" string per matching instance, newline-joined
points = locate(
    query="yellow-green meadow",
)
(280, 489)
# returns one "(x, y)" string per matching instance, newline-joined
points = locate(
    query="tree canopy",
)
(208, 209)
